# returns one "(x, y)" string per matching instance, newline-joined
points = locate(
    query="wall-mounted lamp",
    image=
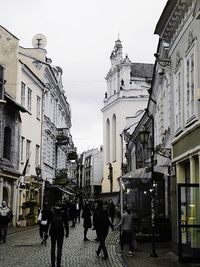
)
(144, 135)
(163, 62)
(38, 171)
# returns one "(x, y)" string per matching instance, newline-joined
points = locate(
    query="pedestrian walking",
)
(96, 214)
(6, 216)
(112, 210)
(72, 212)
(58, 227)
(43, 223)
(87, 223)
(78, 212)
(127, 228)
(103, 227)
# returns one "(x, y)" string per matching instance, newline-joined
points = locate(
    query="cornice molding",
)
(181, 14)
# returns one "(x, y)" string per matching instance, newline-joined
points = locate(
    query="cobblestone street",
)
(24, 249)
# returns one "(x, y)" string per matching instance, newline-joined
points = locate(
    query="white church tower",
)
(127, 92)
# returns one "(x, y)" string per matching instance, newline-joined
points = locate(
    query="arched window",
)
(114, 137)
(108, 141)
(7, 143)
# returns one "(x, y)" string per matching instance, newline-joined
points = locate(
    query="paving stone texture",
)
(23, 249)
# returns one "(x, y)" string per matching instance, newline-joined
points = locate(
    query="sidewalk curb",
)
(15, 229)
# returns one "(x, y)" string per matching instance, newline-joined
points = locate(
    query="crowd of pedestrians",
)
(96, 215)
(54, 222)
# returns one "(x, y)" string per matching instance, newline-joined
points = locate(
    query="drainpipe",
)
(41, 147)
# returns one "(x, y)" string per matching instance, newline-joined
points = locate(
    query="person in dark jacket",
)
(112, 210)
(58, 227)
(103, 228)
(87, 223)
(127, 227)
(96, 213)
(5, 218)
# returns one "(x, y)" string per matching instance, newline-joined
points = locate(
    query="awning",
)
(139, 178)
(138, 173)
(136, 178)
(64, 190)
(14, 103)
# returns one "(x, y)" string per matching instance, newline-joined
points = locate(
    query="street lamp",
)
(110, 177)
(144, 137)
(38, 171)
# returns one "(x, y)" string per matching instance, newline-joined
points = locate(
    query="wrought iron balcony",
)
(72, 153)
(62, 134)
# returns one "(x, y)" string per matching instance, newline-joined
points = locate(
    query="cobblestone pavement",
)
(141, 257)
(23, 248)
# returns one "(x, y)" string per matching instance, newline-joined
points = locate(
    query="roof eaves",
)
(9, 32)
(31, 72)
(165, 16)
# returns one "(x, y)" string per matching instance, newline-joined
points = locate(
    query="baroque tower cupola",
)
(116, 55)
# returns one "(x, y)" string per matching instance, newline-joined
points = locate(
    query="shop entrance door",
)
(189, 222)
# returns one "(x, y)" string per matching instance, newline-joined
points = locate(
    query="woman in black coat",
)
(103, 228)
(87, 223)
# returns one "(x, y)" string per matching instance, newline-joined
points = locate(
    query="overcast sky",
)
(80, 37)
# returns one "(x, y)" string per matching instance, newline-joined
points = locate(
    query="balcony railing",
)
(62, 134)
(72, 153)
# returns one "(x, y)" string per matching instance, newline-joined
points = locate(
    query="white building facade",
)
(34, 83)
(127, 92)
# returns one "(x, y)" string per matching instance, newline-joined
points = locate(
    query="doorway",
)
(189, 222)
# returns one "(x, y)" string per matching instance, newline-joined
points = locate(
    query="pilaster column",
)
(198, 177)
(15, 201)
(180, 175)
(192, 170)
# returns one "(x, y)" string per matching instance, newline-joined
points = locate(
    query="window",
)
(54, 110)
(37, 155)
(108, 141)
(7, 143)
(190, 85)
(22, 148)
(23, 94)
(114, 138)
(177, 101)
(49, 149)
(51, 109)
(38, 107)
(29, 99)
(28, 147)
